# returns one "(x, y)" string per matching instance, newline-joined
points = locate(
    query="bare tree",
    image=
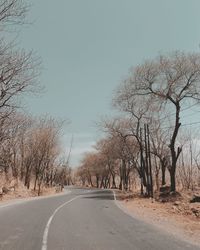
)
(160, 150)
(18, 69)
(139, 111)
(12, 12)
(170, 81)
(18, 74)
(125, 147)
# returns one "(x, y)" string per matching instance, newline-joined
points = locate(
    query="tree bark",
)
(163, 170)
(174, 154)
(173, 180)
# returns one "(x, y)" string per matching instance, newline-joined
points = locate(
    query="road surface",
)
(80, 220)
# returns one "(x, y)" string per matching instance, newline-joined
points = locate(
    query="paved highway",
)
(80, 220)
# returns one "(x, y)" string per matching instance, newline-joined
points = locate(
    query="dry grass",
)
(18, 190)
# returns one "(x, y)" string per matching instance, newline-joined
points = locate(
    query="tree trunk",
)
(150, 164)
(148, 186)
(39, 188)
(163, 170)
(173, 180)
(157, 181)
(97, 181)
(174, 154)
(102, 180)
(141, 189)
(113, 181)
(35, 183)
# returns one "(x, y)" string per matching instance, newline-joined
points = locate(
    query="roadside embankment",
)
(178, 217)
(19, 191)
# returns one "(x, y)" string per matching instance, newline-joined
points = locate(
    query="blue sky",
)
(87, 48)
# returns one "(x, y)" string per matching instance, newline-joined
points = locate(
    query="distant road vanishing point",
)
(82, 219)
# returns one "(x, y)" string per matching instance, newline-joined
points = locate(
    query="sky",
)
(88, 46)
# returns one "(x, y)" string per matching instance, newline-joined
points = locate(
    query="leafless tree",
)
(12, 12)
(18, 74)
(19, 70)
(170, 81)
(160, 150)
(125, 147)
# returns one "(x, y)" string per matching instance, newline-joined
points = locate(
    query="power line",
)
(70, 150)
(167, 116)
(188, 115)
(184, 125)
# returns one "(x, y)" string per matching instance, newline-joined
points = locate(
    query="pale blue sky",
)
(88, 46)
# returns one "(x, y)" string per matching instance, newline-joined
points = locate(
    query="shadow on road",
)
(100, 196)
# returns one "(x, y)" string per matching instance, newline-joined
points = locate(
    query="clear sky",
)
(88, 46)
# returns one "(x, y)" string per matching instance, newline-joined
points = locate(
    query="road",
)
(80, 220)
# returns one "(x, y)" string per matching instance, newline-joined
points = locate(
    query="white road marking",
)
(114, 195)
(46, 231)
(120, 206)
(123, 208)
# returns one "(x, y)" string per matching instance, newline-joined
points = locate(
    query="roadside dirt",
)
(179, 218)
(20, 191)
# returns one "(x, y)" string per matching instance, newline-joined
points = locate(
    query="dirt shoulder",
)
(22, 192)
(177, 218)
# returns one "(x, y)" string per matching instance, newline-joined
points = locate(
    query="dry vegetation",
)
(180, 218)
(149, 150)
(29, 146)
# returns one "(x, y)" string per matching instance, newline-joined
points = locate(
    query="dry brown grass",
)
(18, 190)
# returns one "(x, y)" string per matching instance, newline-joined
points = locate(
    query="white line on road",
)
(114, 194)
(46, 231)
(123, 208)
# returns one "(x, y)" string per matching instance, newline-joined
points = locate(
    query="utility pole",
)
(150, 165)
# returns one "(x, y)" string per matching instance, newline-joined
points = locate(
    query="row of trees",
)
(148, 138)
(29, 151)
(29, 147)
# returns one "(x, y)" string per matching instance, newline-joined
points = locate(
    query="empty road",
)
(80, 220)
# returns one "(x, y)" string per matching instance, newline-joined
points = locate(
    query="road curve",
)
(81, 220)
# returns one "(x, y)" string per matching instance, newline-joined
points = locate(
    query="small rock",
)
(195, 211)
(5, 190)
(195, 198)
(175, 208)
(177, 203)
(12, 189)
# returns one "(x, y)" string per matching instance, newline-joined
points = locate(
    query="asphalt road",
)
(80, 220)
